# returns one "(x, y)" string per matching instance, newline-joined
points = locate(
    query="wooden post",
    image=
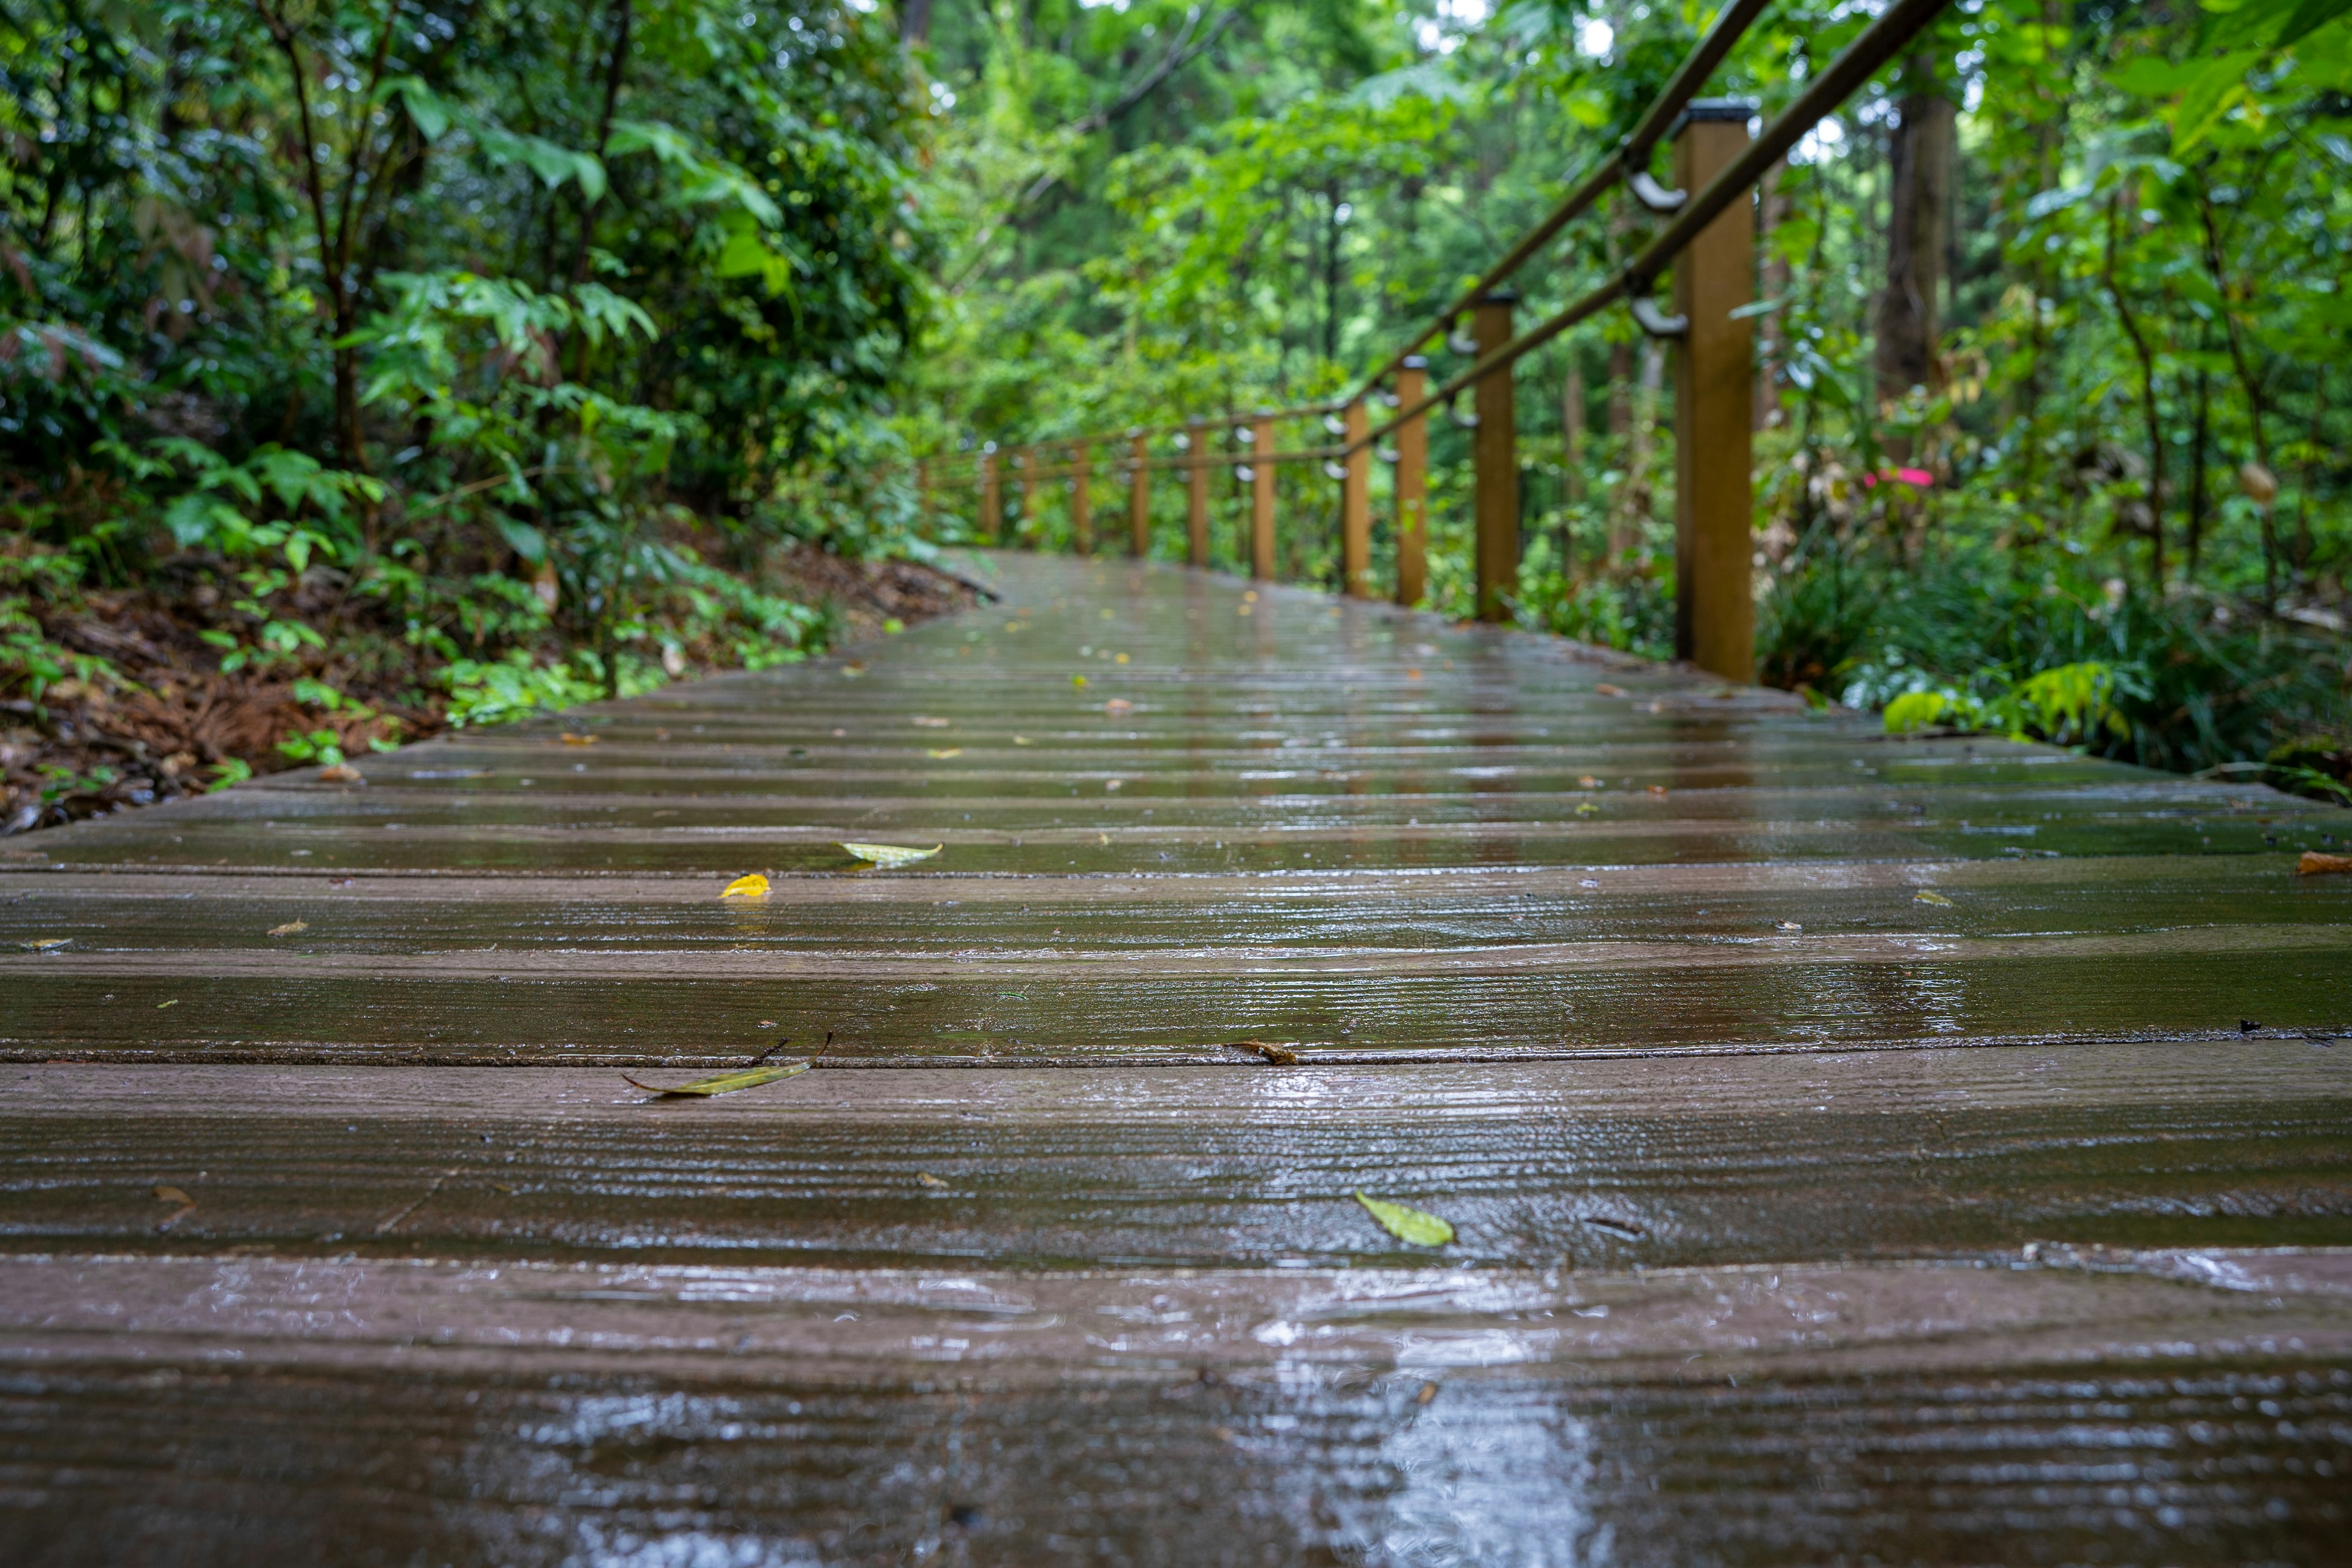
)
(1715, 601)
(1196, 480)
(1495, 451)
(1138, 496)
(1413, 486)
(1262, 498)
(992, 499)
(1025, 460)
(1356, 508)
(1082, 516)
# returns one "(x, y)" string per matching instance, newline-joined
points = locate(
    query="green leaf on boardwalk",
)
(725, 1083)
(886, 857)
(1929, 896)
(1408, 1224)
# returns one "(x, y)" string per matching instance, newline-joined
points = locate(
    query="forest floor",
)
(168, 722)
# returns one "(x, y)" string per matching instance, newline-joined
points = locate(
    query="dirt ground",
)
(89, 748)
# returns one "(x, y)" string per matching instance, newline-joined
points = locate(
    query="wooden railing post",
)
(1196, 480)
(1356, 506)
(1495, 452)
(1082, 516)
(1413, 486)
(1715, 602)
(991, 498)
(1262, 499)
(1024, 460)
(1138, 496)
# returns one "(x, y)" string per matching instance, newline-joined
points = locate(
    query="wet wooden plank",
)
(1590, 1164)
(2184, 1408)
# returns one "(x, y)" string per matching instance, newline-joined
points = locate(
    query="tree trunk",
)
(1774, 211)
(1571, 428)
(1920, 192)
(915, 23)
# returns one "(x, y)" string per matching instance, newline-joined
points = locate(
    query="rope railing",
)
(1708, 244)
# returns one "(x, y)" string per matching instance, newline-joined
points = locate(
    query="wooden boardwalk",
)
(1858, 1149)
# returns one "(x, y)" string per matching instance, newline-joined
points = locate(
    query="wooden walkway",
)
(1858, 1149)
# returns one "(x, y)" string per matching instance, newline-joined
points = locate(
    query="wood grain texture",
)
(1858, 1147)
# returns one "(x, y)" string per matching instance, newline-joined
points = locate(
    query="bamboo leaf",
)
(725, 1083)
(888, 857)
(1408, 1224)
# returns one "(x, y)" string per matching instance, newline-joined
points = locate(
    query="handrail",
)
(1630, 153)
(1878, 43)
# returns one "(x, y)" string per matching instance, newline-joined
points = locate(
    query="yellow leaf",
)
(1119, 705)
(1929, 896)
(725, 1083)
(2314, 864)
(945, 751)
(572, 740)
(46, 943)
(751, 885)
(925, 721)
(1077, 680)
(1586, 808)
(1023, 740)
(174, 1195)
(929, 1180)
(889, 856)
(1408, 1224)
(1605, 689)
(289, 928)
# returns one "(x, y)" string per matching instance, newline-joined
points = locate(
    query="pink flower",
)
(1917, 478)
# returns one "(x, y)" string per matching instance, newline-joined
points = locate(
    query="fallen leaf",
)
(1605, 689)
(1412, 675)
(1657, 789)
(1586, 808)
(1119, 658)
(929, 1180)
(1119, 705)
(2314, 864)
(1023, 740)
(854, 669)
(174, 1195)
(572, 740)
(1588, 782)
(289, 928)
(342, 773)
(46, 943)
(1280, 1055)
(1114, 784)
(944, 752)
(173, 1002)
(725, 1083)
(889, 856)
(1929, 896)
(1790, 925)
(1408, 1224)
(1103, 838)
(1077, 680)
(1625, 1228)
(925, 721)
(750, 885)
(1428, 1391)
